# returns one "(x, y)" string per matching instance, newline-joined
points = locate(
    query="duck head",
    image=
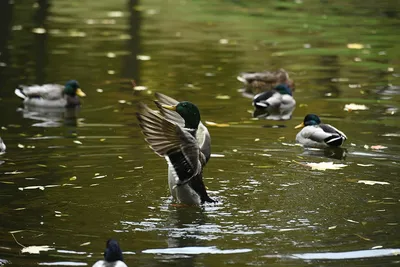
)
(309, 119)
(283, 89)
(188, 111)
(72, 89)
(113, 252)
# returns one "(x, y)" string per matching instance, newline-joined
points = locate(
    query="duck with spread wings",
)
(177, 134)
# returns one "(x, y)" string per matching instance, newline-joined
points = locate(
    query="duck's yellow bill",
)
(169, 107)
(301, 125)
(80, 93)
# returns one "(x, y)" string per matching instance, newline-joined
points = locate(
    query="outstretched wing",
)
(169, 140)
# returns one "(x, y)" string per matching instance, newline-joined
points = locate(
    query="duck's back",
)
(46, 91)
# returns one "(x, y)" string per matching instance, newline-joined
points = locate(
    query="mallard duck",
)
(276, 104)
(178, 135)
(317, 134)
(51, 95)
(2, 146)
(112, 256)
(257, 82)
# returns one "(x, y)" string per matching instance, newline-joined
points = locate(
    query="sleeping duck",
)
(51, 95)
(177, 134)
(276, 104)
(2, 146)
(318, 135)
(112, 256)
(257, 82)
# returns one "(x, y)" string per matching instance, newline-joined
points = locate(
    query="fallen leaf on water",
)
(365, 165)
(139, 88)
(36, 249)
(368, 182)
(39, 30)
(6, 182)
(378, 147)
(223, 97)
(355, 46)
(331, 227)
(322, 166)
(362, 237)
(78, 142)
(143, 57)
(21, 146)
(213, 155)
(352, 221)
(84, 244)
(73, 178)
(352, 106)
(42, 165)
(210, 123)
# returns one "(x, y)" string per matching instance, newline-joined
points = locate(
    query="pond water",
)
(72, 180)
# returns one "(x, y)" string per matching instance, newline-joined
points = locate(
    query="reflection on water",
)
(85, 175)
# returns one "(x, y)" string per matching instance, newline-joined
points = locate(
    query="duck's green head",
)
(283, 89)
(188, 111)
(72, 89)
(309, 119)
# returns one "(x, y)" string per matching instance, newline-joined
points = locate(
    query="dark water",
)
(70, 180)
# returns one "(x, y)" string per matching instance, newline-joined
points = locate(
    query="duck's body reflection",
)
(51, 117)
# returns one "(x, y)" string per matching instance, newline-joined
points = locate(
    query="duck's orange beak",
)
(80, 93)
(169, 107)
(301, 125)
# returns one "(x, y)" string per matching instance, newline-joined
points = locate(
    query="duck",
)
(2, 146)
(177, 134)
(275, 104)
(51, 95)
(257, 82)
(318, 135)
(112, 255)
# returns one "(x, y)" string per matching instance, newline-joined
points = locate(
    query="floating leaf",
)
(223, 41)
(217, 155)
(352, 221)
(368, 182)
(139, 88)
(352, 106)
(78, 142)
(42, 165)
(332, 227)
(365, 165)
(322, 166)
(39, 30)
(143, 57)
(355, 46)
(210, 123)
(21, 146)
(35, 249)
(84, 244)
(98, 90)
(378, 147)
(73, 178)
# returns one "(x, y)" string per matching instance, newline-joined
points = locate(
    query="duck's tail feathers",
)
(335, 140)
(19, 93)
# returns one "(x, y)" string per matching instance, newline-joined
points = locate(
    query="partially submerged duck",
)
(112, 256)
(177, 134)
(2, 146)
(276, 104)
(318, 135)
(257, 82)
(51, 95)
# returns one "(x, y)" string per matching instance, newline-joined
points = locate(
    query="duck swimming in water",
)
(112, 256)
(257, 82)
(177, 134)
(2, 146)
(276, 104)
(318, 135)
(51, 95)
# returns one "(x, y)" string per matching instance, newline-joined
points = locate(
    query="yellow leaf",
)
(355, 46)
(73, 178)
